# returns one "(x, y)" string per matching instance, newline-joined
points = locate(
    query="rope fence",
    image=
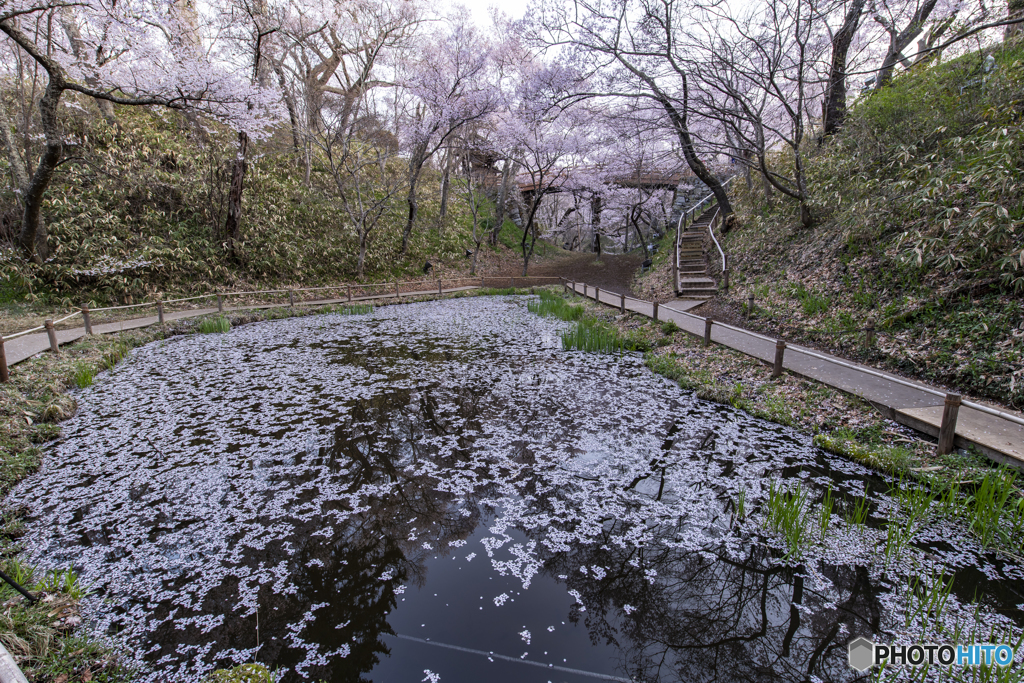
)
(345, 293)
(951, 402)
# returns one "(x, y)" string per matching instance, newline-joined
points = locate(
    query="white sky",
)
(481, 9)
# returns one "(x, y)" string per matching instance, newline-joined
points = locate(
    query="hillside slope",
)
(920, 206)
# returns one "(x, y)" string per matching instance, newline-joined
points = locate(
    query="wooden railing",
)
(347, 292)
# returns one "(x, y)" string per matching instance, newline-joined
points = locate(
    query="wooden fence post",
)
(398, 292)
(5, 376)
(869, 332)
(350, 293)
(622, 303)
(160, 311)
(439, 290)
(85, 318)
(947, 431)
(291, 298)
(655, 310)
(725, 273)
(52, 334)
(220, 304)
(708, 322)
(780, 350)
(750, 306)
(512, 282)
(597, 294)
(584, 290)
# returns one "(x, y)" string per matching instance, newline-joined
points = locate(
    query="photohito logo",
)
(864, 654)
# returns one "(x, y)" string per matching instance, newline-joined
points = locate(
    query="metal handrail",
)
(711, 231)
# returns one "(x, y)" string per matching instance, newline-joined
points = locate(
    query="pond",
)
(436, 491)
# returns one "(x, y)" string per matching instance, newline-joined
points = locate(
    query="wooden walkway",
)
(914, 404)
(29, 345)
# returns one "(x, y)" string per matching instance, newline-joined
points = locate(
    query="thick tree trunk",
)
(678, 118)
(415, 168)
(233, 224)
(834, 106)
(898, 41)
(362, 254)
(1014, 8)
(472, 268)
(32, 196)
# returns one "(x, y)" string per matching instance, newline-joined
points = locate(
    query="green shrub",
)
(214, 325)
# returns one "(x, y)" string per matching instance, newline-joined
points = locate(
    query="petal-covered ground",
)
(438, 490)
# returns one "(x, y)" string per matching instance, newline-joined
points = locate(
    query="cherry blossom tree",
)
(632, 49)
(450, 86)
(124, 58)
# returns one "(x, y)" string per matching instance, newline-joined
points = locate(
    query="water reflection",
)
(440, 487)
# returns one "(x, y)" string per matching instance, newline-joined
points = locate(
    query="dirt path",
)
(611, 273)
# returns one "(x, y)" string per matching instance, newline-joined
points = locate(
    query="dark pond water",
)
(436, 491)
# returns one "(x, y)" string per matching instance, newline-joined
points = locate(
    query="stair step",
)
(696, 282)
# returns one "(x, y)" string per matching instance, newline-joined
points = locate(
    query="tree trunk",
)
(233, 224)
(678, 118)
(411, 219)
(415, 168)
(899, 41)
(1014, 9)
(499, 219)
(32, 197)
(445, 181)
(472, 269)
(595, 222)
(834, 106)
(362, 253)
(640, 234)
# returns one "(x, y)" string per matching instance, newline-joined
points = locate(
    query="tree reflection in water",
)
(258, 478)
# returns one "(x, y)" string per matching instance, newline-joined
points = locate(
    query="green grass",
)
(214, 325)
(243, 673)
(355, 309)
(857, 511)
(555, 306)
(594, 336)
(83, 375)
(786, 514)
(669, 327)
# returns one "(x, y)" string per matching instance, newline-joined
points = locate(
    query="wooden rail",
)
(346, 292)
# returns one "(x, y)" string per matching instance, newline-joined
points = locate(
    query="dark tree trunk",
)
(834, 106)
(1015, 8)
(233, 224)
(415, 168)
(678, 117)
(898, 41)
(595, 222)
(499, 219)
(445, 182)
(32, 197)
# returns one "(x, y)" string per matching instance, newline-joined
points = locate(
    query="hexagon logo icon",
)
(862, 653)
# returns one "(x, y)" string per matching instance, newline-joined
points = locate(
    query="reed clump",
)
(215, 325)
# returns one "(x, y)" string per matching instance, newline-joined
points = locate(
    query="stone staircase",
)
(694, 282)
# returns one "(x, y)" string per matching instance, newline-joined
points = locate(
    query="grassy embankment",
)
(920, 225)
